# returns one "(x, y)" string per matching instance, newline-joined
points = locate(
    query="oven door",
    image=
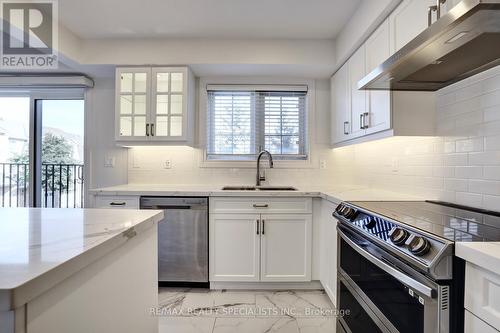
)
(383, 294)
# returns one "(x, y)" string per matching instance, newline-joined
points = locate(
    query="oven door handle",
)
(405, 279)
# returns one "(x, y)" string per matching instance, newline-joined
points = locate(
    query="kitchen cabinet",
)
(482, 295)
(234, 247)
(377, 50)
(340, 102)
(285, 247)
(475, 325)
(359, 110)
(362, 115)
(265, 246)
(328, 250)
(116, 202)
(407, 21)
(154, 105)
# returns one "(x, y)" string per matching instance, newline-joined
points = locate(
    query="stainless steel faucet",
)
(261, 178)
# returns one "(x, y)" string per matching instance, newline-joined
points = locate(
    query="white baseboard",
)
(267, 285)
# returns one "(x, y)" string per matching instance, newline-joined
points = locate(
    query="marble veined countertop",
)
(334, 194)
(41, 247)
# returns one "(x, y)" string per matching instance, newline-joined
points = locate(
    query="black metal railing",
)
(61, 185)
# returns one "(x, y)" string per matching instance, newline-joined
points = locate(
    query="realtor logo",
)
(29, 34)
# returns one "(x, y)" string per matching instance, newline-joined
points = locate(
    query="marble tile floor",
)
(234, 311)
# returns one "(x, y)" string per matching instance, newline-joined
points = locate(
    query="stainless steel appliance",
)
(461, 43)
(182, 240)
(397, 269)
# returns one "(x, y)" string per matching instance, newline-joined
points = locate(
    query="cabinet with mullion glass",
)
(132, 86)
(160, 111)
(169, 105)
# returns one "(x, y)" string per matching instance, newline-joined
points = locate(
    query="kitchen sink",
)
(259, 188)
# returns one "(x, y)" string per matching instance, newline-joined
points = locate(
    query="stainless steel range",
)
(397, 269)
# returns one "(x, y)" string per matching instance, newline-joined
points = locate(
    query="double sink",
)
(259, 188)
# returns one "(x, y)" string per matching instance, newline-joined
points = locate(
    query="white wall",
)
(100, 135)
(368, 15)
(146, 163)
(461, 165)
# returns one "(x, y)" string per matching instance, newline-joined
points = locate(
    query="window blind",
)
(241, 123)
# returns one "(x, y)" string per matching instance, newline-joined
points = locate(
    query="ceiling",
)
(238, 19)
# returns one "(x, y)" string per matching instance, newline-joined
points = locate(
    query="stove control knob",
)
(339, 209)
(399, 236)
(419, 246)
(350, 213)
(371, 223)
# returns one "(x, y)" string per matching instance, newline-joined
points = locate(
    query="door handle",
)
(346, 131)
(152, 129)
(147, 129)
(263, 226)
(257, 222)
(365, 120)
(361, 121)
(429, 14)
(260, 205)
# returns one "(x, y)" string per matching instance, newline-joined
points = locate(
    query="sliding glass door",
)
(15, 189)
(42, 150)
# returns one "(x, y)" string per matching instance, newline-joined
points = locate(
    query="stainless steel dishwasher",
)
(182, 240)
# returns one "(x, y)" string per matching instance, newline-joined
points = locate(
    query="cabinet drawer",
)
(482, 294)
(475, 325)
(261, 205)
(125, 202)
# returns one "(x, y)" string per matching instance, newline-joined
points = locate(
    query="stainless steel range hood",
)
(461, 43)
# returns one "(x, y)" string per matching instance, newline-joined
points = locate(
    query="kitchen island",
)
(78, 270)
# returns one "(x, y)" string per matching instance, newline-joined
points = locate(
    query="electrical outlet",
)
(322, 164)
(167, 164)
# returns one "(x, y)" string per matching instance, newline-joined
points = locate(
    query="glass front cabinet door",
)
(155, 104)
(132, 103)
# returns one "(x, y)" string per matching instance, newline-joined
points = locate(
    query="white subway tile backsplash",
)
(491, 173)
(491, 202)
(452, 184)
(492, 142)
(484, 186)
(469, 172)
(469, 145)
(485, 158)
(492, 113)
(469, 199)
(455, 159)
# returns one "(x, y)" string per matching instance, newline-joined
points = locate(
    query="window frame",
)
(204, 162)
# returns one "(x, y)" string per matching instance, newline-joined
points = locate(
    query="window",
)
(243, 122)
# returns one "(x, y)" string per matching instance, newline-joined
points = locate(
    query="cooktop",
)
(446, 220)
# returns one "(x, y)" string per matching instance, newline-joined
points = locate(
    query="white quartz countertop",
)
(482, 254)
(334, 194)
(41, 247)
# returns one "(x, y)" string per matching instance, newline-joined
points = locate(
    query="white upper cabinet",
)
(132, 103)
(359, 108)
(155, 105)
(340, 105)
(377, 50)
(407, 21)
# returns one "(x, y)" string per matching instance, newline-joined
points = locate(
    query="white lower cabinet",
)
(328, 250)
(475, 325)
(234, 247)
(266, 247)
(482, 296)
(285, 247)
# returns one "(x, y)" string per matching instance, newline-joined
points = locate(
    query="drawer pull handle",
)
(117, 203)
(260, 205)
(258, 223)
(263, 227)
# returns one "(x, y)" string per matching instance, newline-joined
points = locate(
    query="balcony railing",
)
(61, 185)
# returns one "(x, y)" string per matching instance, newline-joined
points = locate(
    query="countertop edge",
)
(13, 298)
(482, 254)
